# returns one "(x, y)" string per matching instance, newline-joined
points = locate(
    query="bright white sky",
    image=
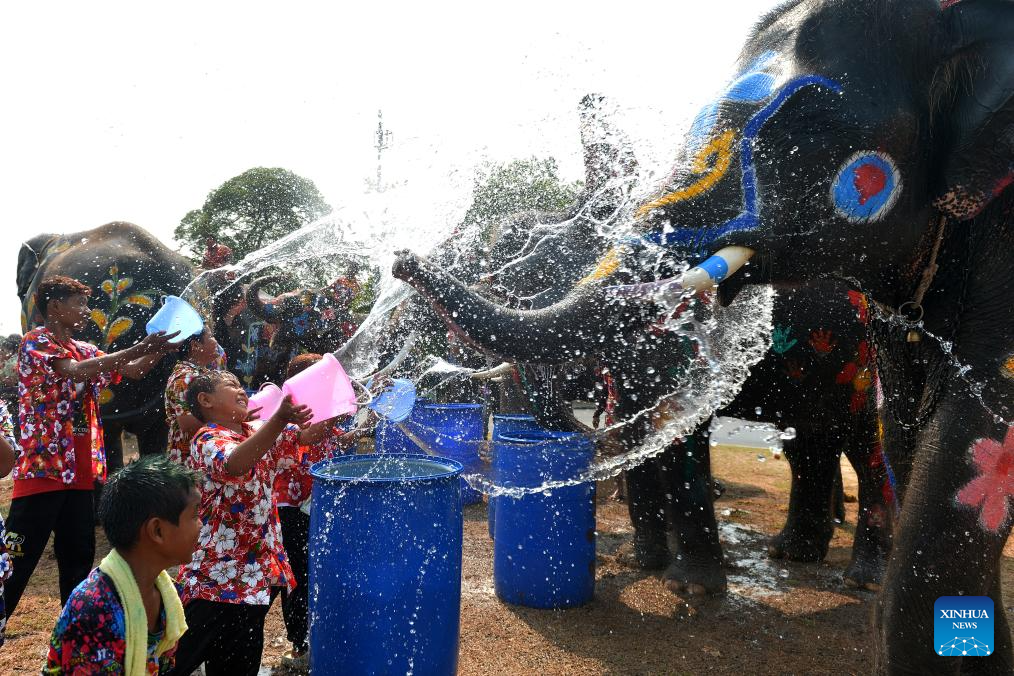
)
(135, 111)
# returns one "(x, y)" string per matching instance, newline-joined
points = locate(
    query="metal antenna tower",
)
(383, 141)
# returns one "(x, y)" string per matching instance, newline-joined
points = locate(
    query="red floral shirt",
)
(48, 402)
(294, 485)
(239, 553)
(176, 405)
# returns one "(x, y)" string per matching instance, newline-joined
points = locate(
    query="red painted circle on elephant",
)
(869, 180)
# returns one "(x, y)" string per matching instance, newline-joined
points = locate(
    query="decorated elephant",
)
(870, 141)
(128, 271)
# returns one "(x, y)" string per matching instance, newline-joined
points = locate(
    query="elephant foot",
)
(865, 572)
(651, 552)
(695, 578)
(798, 544)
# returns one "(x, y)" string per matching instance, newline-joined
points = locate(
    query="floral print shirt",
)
(176, 405)
(90, 636)
(239, 553)
(7, 430)
(294, 485)
(48, 405)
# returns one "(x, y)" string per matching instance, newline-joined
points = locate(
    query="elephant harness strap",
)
(915, 366)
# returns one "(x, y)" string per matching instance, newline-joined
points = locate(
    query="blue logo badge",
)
(963, 626)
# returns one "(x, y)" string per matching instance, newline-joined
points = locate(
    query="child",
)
(8, 456)
(229, 583)
(126, 617)
(62, 452)
(197, 353)
(292, 488)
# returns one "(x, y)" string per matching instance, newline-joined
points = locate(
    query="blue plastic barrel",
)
(385, 565)
(453, 431)
(507, 425)
(544, 545)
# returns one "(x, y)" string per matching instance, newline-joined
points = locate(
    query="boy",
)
(291, 489)
(197, 353)
(126, 617)
(62, 451)
(229, 583)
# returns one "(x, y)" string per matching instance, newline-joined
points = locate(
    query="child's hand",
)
(158, 343)
(289, 412)
(253, 414)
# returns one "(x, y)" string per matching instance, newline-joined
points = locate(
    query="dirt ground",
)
(778, 617)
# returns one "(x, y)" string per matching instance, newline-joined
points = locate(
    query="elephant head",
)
(823, 158)
(316, 320)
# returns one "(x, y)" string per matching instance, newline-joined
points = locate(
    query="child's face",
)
(205, 351)
(71, 312)
(227, 403)
(180, 540)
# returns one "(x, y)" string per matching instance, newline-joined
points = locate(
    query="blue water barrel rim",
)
(454, 468)
(536, 438)
(452, 405)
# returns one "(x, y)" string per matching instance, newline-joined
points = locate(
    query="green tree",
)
(504, 190)
(252, 210)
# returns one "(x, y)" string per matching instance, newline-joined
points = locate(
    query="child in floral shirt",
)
(292, 489)
(229, 583)
(8, 453)
(197, 354)
(126, 617)
(62, 453)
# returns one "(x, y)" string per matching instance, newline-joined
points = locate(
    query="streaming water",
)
(402, 333)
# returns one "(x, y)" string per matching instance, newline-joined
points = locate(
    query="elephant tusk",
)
(698, 279)
(493, 373)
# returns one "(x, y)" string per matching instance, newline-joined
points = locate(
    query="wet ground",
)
(778, 618)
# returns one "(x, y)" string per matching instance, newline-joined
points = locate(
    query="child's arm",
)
(246, 454)
(132, 360)
(317, 432)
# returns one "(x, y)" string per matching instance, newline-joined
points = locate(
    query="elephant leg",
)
(646, 503)
(838, 499)
(813, 460)
(686, 475)
(953, 526)
(153, 438)
(112, 436)
(877, 507)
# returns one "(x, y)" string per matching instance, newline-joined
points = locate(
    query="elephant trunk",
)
(266, 311)
(559, 333)
(591, 318)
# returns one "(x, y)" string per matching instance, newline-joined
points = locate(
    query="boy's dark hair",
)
(301, 362)
(203, 383)
(58, 287)
(153, 486)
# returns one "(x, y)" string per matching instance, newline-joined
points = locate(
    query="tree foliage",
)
(252, 210)
(521, 185)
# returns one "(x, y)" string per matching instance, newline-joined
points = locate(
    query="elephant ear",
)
(979, 65)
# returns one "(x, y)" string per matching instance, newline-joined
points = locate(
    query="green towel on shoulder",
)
(136, 654)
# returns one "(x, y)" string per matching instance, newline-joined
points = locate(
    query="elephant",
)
(870, 142)
(128, 270)
(260, 335)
